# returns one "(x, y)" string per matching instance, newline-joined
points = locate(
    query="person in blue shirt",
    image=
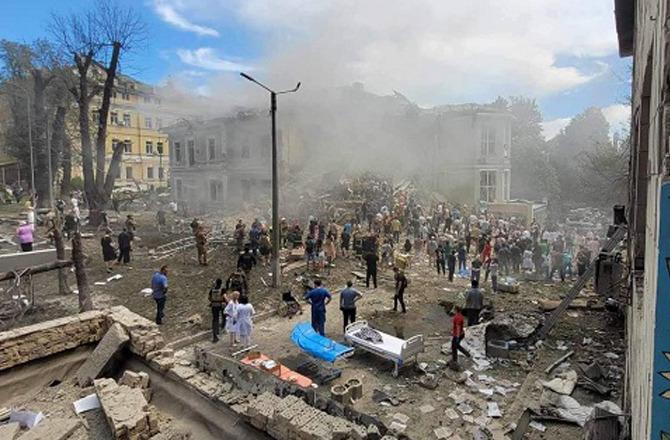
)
(159, 287)
(318, 297)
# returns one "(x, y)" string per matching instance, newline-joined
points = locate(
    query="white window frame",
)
(488, 141)
(487, 191)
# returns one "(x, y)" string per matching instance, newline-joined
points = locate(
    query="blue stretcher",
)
(304, 336)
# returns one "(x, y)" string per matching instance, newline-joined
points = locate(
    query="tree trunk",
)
(40, 143)
(63, 286)
(85, 301)
(104, 186)
(57, 141)
(84, 100)
(67, 169)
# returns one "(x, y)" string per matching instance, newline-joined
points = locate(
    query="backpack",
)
(216, 295)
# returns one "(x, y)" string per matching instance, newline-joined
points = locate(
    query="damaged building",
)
(462, 151)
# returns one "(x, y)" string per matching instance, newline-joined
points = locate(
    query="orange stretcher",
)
(258, 360)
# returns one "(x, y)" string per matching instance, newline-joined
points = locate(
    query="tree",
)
(582, 137)
(532, 175)
(604, 173)
(30, 83)
(104, 32)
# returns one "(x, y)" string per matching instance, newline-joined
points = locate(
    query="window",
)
(159, 123)
(114, 118)
(487, 186)
(230, 152)
(129, 172)
(147, 100)
(115, 144)
(125, 96)
(159, 148)
(215, 190)
(211, 149)
(190, 146)
(150, 172)
(147, 123)
(488, 147)
(177, 152)
(245, 152)
(149, 147)
(126, 120)
(127, 146)
(180, 190)
(161, 173)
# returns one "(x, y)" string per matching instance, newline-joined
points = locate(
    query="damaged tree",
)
(105, 32)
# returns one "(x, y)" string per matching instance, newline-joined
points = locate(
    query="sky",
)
(563, 53)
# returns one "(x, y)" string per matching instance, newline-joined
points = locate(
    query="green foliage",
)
(77, 183)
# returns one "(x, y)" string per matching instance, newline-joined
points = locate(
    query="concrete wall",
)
(649, 61)
(25, 344)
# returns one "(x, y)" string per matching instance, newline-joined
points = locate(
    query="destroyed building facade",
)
(221, 162)
(642, 32)
(461, 151)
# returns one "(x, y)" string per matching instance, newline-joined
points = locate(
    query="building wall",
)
(647, 176)
(472, 157)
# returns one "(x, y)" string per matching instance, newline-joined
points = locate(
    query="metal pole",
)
(30, 145)
(276, 270)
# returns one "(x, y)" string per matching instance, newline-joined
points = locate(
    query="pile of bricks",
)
(145, 336)
(137, 380)
(126, 410)
(25, 344)
(290, 418)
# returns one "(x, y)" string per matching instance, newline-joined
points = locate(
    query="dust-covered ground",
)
(590, 332)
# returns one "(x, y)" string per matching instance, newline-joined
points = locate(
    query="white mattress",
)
(390, 345)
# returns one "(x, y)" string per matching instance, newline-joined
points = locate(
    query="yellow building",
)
(136, 116)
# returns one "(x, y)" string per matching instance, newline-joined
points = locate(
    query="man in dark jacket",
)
(246, 262)
(400, 286)
(474, 303)
(237, 282)
(124, 240)
(371, 269)
(216, 303)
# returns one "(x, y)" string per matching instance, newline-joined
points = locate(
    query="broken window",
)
(114, 118)
(487, 186)
(177, 152)
(211, 148)
(150, 172)
(126, 119)
(129, 172)
(159, 148)
(149, 147)
(215, 190)
(190, 145)
(488, 147)
(127, 146)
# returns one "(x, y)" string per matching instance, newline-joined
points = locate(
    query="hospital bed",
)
(397, 350)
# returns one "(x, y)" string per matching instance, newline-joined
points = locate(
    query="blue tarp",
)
(304, 336)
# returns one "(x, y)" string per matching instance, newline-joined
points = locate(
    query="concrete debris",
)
(425, 409)
(4, 413)
(451, 414)
(564, 383)
(52, 429)
(145, 335)
(513, 326)
(9, 431)
(464, 408)
(564, 407)
(27, 419)
(558, 362)
(86, 404)
(401, 418)
(443, 433)
(537, 426)
(494, 410)
(126, 410)
(397, 428)
(112, 343)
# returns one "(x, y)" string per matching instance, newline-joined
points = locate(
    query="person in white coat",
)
(245, 312)
(231, 317)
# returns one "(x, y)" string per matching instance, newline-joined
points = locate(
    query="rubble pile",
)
(126, 409)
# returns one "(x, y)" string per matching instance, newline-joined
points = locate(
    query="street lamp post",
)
(30, 145)
(276, 269)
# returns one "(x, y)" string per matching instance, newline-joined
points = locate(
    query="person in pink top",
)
(25, 235)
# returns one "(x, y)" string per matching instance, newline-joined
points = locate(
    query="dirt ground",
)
(187, 312)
